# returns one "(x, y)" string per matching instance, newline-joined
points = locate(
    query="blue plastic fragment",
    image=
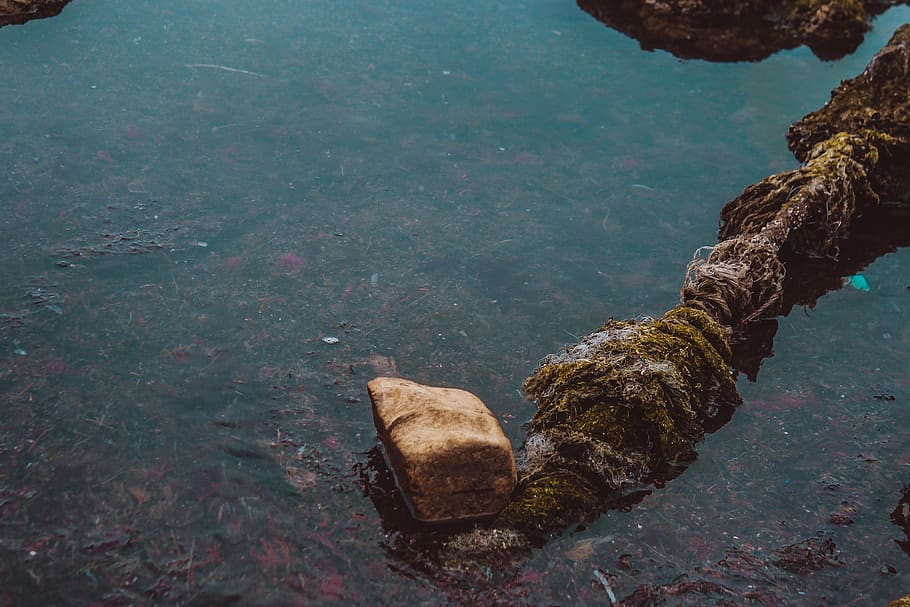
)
(857, 281)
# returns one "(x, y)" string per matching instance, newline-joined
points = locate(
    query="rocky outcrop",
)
(876, 101)
(13, 12)
(719, 30)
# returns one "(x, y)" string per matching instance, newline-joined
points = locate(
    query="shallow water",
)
(453, 193)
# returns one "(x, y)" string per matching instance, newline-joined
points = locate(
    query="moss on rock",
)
(615, 409)
(805, 212)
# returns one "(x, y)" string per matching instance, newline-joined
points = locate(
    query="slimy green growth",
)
(615, 409)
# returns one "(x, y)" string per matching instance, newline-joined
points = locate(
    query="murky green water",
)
(194, 195)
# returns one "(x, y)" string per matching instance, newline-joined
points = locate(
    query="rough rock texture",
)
(721, 30)
(19, 11)
(877, 102)
(446, 449)
(622, 408)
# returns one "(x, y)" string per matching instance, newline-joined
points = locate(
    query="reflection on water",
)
(452, 194)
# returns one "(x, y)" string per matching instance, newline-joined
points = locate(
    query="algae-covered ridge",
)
(630, 401)
(613, 410)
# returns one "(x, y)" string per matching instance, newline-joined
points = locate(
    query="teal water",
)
(451, 191)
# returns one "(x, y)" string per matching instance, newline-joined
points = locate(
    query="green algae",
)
(548, 503)
(615, 409)
(805, 212)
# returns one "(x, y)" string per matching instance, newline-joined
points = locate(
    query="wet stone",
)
(449, 454)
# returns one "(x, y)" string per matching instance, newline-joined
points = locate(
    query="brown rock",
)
(875, 100)
(740, 30)
(450, 457)
(20, 11)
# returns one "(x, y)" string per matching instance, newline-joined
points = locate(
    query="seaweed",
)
(614, 411)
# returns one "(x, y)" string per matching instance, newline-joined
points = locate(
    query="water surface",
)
(195, 195)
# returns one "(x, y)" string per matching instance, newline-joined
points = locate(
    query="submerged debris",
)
(809, 555)
(715, 585)
(858, 282)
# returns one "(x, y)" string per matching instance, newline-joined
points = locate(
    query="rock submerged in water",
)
(449, 454)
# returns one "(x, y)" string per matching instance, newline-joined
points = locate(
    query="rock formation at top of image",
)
(750, 30)
(16, 12)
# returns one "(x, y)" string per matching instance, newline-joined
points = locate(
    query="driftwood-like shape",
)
(623, 409)
(744, 30)
(14, 12)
